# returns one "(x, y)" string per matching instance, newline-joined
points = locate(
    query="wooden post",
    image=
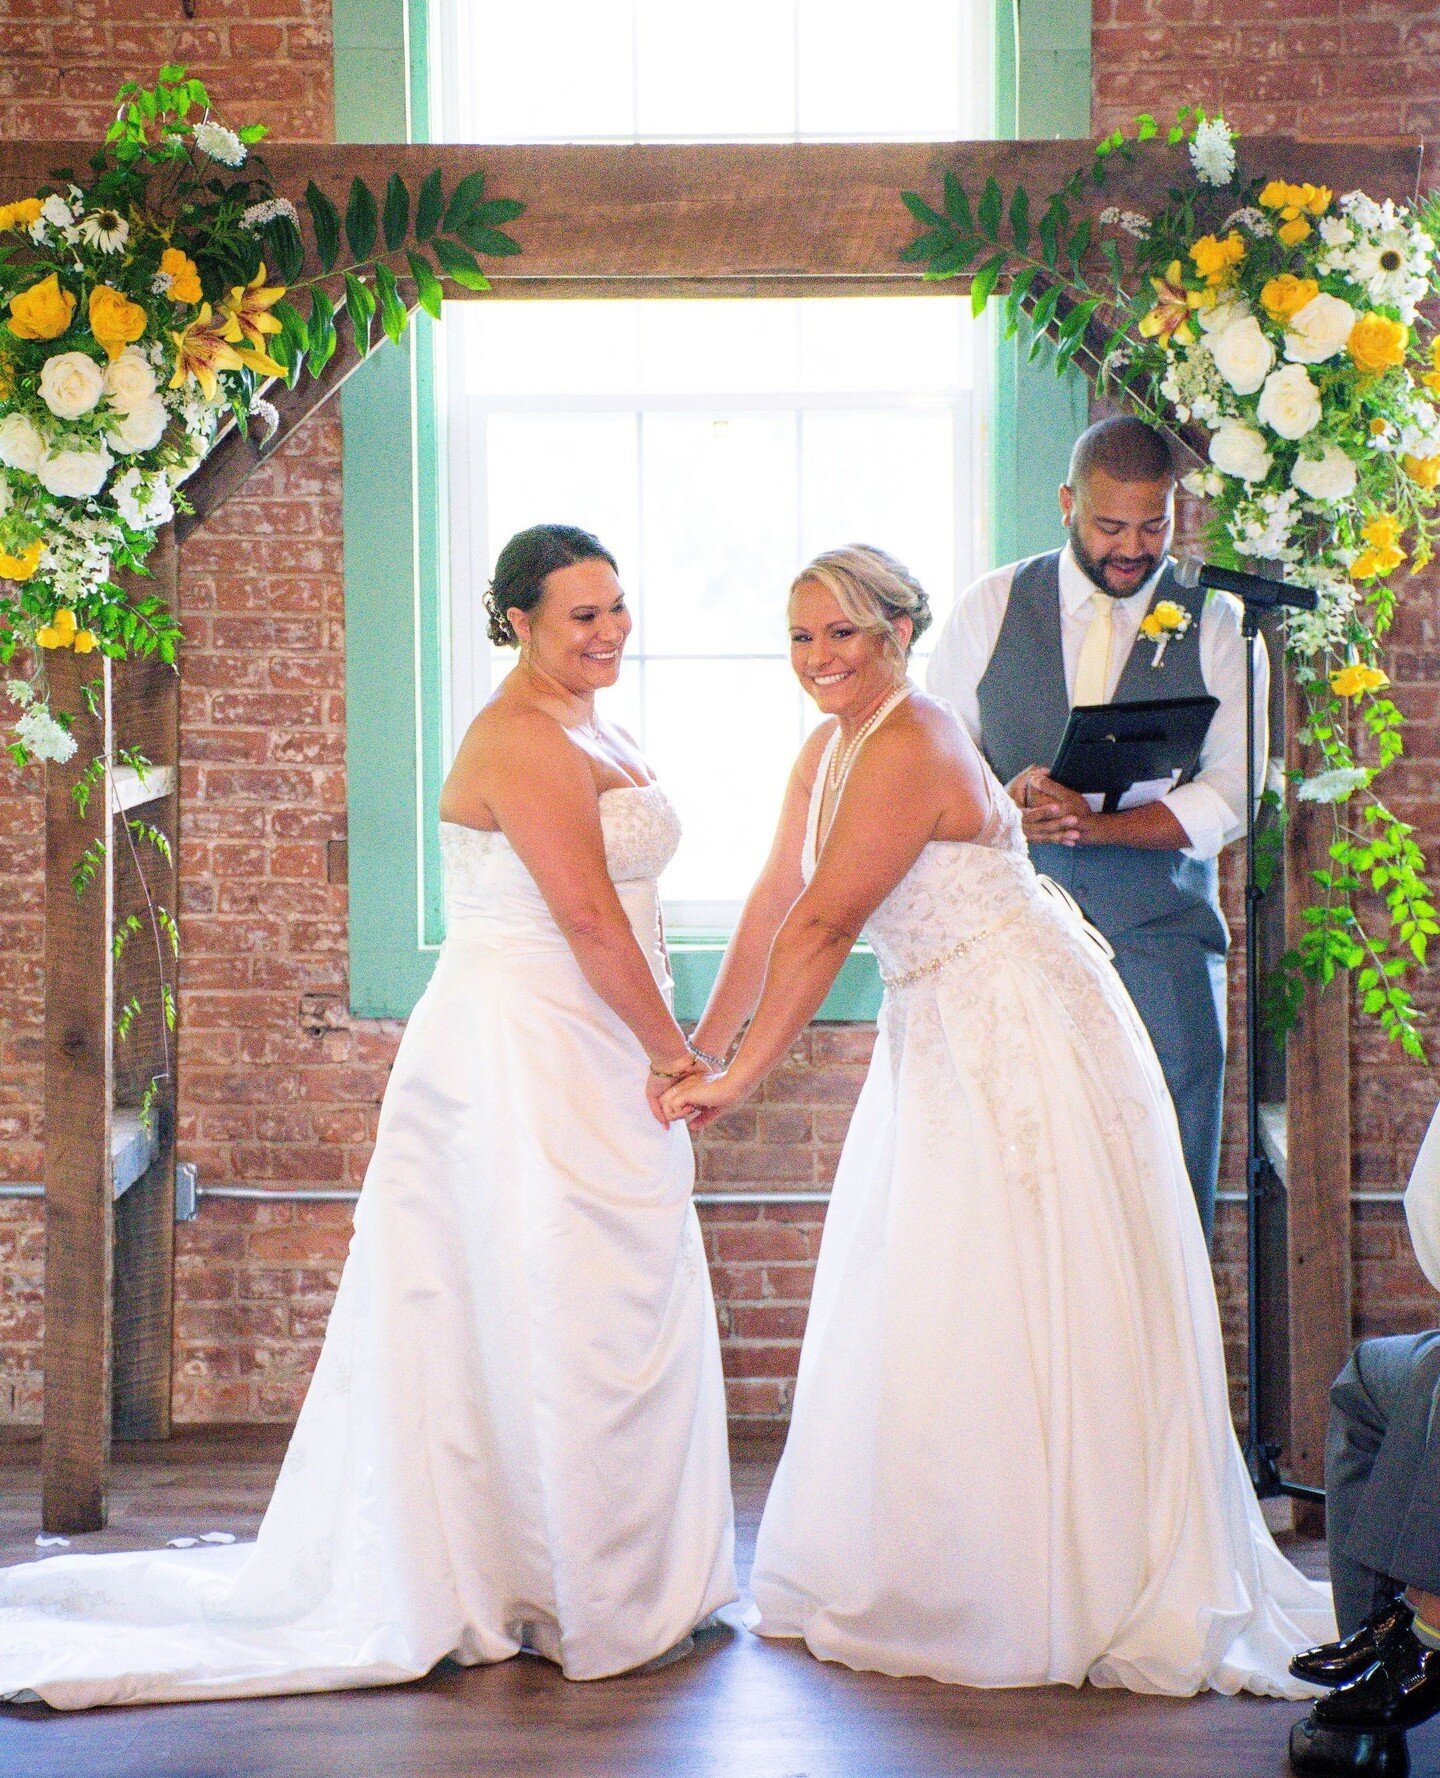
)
(79, 1016)
(1318, 1141)
(147, 722)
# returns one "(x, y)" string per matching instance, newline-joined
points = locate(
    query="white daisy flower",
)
(1381, 264)
(106, 229)
(220, 144)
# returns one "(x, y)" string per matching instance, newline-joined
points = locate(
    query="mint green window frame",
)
(396, 640)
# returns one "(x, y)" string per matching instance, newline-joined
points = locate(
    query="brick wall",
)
(280, 1086)
(1317, 68)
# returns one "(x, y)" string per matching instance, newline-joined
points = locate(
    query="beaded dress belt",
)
(957, 950)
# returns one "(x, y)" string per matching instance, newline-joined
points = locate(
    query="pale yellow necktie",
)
(1092, 671)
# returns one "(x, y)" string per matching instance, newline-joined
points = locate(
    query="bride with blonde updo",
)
(1011, 1460)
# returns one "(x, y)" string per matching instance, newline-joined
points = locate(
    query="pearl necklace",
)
(842, 760)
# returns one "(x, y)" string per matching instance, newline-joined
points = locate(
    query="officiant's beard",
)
(1097, 570)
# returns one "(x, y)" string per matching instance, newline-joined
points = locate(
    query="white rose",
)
(71, 384)
(1290, 402)
(1331, 476)
(80, 475)
(142, 428)
(1240, 451)
(1222, 314)
(21, 445)
(1243, 353)
(1319, 330)
(129, 380)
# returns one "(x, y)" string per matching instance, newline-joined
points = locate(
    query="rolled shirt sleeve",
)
(1211, 807)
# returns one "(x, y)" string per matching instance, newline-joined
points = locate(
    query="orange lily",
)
(246, 315)
(1174, 307)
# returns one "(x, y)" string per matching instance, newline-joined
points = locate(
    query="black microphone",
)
(1254, 589)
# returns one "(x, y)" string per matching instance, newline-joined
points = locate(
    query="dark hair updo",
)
(522, 567)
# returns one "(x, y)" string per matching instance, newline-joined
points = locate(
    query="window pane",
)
(882, 70)
(729, 788)
(886, 479)
(573, 469)
(713, 347)
(886, 343)
(550, 70)
(547, 348)
(715, 68)
(719, 543)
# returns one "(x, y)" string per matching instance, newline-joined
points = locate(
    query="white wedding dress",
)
(515, 1435)
(1011, 1460)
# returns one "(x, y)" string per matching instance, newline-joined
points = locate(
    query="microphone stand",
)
(1260, 1178)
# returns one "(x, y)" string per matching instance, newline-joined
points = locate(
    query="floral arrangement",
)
(144, 309)
(1276, 327)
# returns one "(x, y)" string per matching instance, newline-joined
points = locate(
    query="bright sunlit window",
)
(713, 445)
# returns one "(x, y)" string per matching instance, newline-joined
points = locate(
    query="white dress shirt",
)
(1211, 807)
(1422, 1203)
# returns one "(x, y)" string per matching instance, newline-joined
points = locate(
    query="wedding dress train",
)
(1011, 1460)
(515, 1435)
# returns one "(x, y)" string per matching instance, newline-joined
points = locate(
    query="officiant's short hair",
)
(1123, 447)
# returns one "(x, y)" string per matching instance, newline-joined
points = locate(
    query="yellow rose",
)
(1168, 613)
(21, 214)
(1216, 260)
(42, 312)
(1423, 471)
(1377, 343)
(1376, 563)
(115, 321)
(1383, 531)
(60, 632)
(1275, 195)
(1295, 231)
(20, 567)
(183, 274)
(1352, 680)
(85, 641)
(1286, 295)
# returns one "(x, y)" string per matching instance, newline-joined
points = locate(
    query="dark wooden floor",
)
(736, 1709)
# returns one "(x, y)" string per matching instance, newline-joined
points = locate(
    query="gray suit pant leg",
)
(1382, 1474)
(1178, 986)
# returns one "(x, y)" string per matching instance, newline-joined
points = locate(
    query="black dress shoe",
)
(1400, 1691)
(1317, 1752)
(1335, 1662)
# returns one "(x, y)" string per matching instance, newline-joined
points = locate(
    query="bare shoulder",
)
(921, 731)
(807, 761)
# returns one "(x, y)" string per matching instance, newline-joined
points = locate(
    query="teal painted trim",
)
(394, 565)
(1042, 90)
(695, 961)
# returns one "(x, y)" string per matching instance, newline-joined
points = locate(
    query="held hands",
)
(664, 1077)
(1050, 813)
(701, 1097)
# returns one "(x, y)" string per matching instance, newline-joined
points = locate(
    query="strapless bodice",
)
(490, 896)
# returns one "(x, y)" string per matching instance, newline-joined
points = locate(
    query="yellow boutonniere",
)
(1163, 620)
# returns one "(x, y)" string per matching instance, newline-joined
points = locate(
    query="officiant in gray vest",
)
(1028, 642)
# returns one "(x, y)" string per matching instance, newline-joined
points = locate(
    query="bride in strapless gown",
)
(515, 1435)
(1011, 1460)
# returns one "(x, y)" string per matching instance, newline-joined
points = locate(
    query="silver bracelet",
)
(716, 1064)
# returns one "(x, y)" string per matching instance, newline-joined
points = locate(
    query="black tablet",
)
(1108, 748)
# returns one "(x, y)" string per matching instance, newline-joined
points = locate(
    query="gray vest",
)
(1024, 707)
